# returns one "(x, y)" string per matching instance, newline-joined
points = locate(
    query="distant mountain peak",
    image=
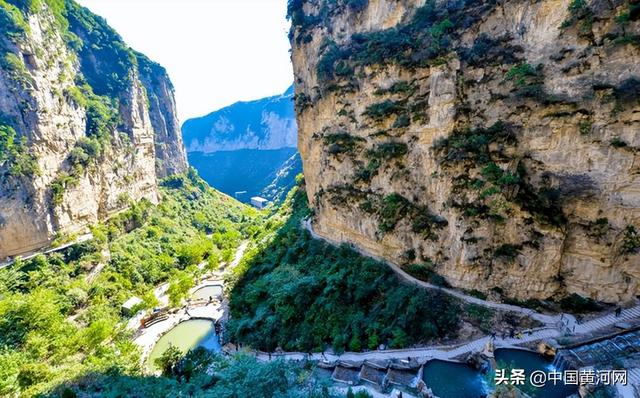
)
(247, 146)
(267, 123)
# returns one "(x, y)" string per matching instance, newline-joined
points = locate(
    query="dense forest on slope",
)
(60, 315)
(204, 374)
(297, 293)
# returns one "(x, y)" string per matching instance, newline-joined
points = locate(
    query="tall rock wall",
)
(86, 124)
(493, 143)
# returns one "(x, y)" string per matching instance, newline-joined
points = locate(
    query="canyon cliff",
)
(87, 125)
(494, 144)
(249, 147)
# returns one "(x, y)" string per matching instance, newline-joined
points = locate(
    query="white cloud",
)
(216, 51)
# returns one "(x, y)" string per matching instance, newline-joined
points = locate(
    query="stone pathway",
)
(106, 257)
(607, 320)
(30, 255)
(448, 352)
(424, 353)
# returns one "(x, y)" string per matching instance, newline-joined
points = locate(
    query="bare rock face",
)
(86, 125)
(494, 143)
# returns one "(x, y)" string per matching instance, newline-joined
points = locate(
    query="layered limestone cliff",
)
(493, 143)
(86, 124)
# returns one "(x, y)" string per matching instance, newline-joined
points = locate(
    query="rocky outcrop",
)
(86, 124)
(495, 143)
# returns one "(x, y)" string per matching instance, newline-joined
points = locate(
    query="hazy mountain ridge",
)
(267, 123)
(247, 147)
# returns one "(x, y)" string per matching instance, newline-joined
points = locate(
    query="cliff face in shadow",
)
(86, 123)
(494, 143)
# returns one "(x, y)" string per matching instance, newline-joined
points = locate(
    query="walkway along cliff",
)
(493, 142)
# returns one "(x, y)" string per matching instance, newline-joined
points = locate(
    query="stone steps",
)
(608, 320)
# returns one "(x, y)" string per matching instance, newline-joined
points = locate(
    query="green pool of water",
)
(207, 291)
(186, 336)
(530, 362)
(454, 380)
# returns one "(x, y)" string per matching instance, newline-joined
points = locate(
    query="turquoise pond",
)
(531, 361)
(457, 380)
(454, 380)
(186, 336)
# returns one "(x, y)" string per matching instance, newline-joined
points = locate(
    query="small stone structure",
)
(258, 202)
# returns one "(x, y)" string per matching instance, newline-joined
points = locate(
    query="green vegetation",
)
(481, 316)
(303, 23)
(394, 208)
(585, 127)
(388, 150)
(383, 110)
(402, 121)
(15, 159)
(59, 186)
(102, 120)
(579, 13)
(57, 325)
(399, 87)
(327, 296)
(383, 152)
(576, 304)
(424, 41)
(520, 73)
(489, 51)
(618, 143)
(203, 374)
(389, 210)
(470, 148)
(632, 13)
(630, 241)
(507, 251)
(106, 61)
(342, 142)
(102, 115)
(528, 82)
(425, 272)
(472, 145)
(12, 20)
(598, 228)
(16, 68)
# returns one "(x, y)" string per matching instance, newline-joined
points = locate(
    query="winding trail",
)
(555, 326)
(451, 352)
(45, 251)
(548, 320)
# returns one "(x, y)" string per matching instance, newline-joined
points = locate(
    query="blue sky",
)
(216, 51)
